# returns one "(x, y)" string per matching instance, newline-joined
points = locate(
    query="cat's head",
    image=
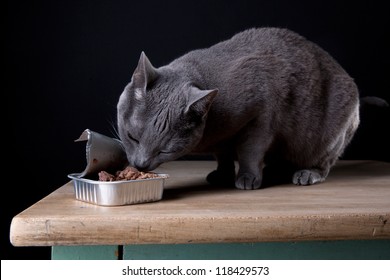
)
(161, 115)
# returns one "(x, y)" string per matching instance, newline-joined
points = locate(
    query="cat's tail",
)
(373, 101)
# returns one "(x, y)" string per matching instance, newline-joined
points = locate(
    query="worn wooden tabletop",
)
(353, 203)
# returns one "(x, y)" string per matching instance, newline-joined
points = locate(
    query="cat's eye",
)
(132, 138)
(164, 152)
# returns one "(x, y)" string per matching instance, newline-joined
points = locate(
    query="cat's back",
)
(280, 43)
(250, 41)
(265, 36)
(263, 40)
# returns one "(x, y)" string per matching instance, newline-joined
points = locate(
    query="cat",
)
(265, 93)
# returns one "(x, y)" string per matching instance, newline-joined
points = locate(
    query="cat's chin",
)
(151, 164)
(153, 167)
(147, 168)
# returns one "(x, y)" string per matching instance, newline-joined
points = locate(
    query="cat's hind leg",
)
(325, 161)
(309, 176)
(339, 133)
(317, 168)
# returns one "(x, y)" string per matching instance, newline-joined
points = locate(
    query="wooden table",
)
(346, 217)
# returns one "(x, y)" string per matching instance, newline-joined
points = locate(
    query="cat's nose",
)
(142, 165)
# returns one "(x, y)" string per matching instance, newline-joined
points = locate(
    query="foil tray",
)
(117, 193)
(106, 153)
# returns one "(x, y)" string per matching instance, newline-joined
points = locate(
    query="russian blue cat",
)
(266, 93)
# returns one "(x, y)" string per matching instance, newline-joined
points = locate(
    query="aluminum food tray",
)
(117, 193)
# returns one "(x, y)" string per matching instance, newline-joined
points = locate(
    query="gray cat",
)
(264, 93)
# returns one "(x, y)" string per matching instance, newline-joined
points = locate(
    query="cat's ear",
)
(144, 73)
(200, 100)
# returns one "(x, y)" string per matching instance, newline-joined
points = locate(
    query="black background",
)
(68, 61)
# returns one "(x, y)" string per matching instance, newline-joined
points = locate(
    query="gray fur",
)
(265, 90)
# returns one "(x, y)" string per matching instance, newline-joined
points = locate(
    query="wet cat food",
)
(129, 173)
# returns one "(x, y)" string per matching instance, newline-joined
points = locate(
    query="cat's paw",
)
(248, 181)
(307, 177)
(217, 177)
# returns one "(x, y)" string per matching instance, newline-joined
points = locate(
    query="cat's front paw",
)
(307, 177)
(248, 181)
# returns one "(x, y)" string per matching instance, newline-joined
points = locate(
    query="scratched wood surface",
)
(353, 203)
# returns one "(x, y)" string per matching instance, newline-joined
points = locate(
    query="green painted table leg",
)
(308, 250)
(106, 252)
